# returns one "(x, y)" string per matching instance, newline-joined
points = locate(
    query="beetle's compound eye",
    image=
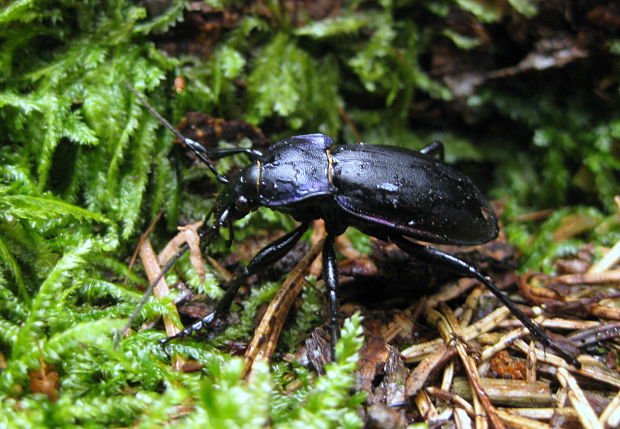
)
(242, 203)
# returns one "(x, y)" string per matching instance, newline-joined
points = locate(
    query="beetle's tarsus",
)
(433, 255)
(263, 259)
(201, 324)
(149, 291)
(162, 344)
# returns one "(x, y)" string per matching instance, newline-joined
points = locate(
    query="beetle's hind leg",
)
(433, 255)
(263, 259)
(435, 148)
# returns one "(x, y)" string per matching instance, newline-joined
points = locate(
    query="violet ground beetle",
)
(387, 192)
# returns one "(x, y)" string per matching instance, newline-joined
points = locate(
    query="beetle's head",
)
(240, 195)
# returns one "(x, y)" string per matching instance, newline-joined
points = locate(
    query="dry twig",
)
(453, 332)
(610, 417)
(153, 271)
(579, 401)
(417, 352)
(268, 331)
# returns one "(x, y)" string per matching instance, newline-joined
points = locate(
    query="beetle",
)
(391, 193)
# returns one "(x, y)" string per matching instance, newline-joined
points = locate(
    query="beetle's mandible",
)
(387, 192)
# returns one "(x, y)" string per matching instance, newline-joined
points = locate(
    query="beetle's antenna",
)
(196, 147)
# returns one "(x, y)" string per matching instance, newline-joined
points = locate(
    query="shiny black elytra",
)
(387, 192)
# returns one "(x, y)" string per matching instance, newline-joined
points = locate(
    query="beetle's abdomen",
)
(294, 170)
(410, 193)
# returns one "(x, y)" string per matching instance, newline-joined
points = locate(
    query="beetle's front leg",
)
(330, 277)
(263, 259)
(432, 255)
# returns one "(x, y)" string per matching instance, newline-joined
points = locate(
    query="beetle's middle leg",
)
(433, 255)
(330, 277)
(263, 259)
